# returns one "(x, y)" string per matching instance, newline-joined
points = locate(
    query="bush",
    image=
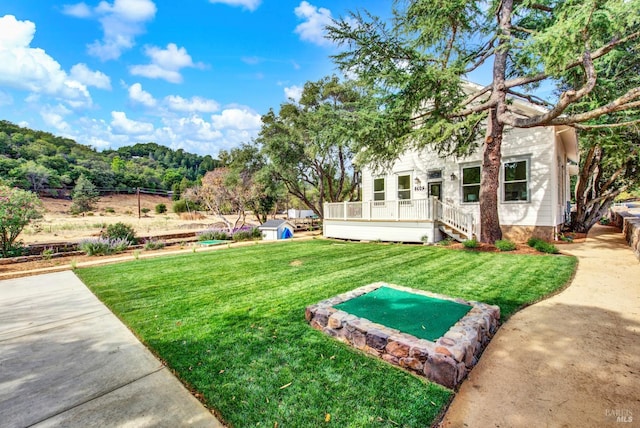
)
(103, 246)
(532, 242)
(120, 231)
(246, 233)
(180, 206)
(145, 211)
(445, 242)
(153, 244)
(161, 209)
(546, 247)
(213, 235)
(542, 246)
(470, 243)
(110, 210)
(505, 245)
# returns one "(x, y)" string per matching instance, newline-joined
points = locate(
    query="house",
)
(276, 229)
(424, 198)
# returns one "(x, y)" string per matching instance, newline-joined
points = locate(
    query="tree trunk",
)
(490, 230)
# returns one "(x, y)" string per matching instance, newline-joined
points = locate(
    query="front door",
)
(435, 189)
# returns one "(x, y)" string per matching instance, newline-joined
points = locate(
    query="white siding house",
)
(423, 195)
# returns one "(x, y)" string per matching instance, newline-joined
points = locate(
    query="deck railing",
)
(456, 218)
(430, 209)
(410, 209)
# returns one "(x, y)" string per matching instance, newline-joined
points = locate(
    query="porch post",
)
(345, 210)
(398, 210)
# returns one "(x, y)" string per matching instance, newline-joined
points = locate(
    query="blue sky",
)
(191, 74)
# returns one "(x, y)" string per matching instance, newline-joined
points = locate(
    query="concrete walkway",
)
(67, 361)
(570, 361)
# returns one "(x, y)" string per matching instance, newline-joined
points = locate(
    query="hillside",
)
(50, 165)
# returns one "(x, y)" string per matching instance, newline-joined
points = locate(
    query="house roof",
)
(273, 224)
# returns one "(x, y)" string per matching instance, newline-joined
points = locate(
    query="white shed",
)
(276, 229)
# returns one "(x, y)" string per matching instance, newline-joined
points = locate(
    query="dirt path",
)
(570, 361)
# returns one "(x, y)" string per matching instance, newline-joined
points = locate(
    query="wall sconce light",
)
(453, 176)
(417, 181)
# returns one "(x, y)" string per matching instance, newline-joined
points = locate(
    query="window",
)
(471, 184)
(516, 185)
(404, 187)
(378, 189)
(434, 174)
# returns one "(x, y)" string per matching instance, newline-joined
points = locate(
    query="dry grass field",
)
(58, 225)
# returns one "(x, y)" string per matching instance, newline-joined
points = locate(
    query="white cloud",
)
(54, 116)
(247, 4)
(140, 96)
(315, 21)
(78, 10)
(121, 22)
(293, 92)
(195, 104)
(165, 63)
(32, 69)
(237, 118)
(122, 125)
(83, 74)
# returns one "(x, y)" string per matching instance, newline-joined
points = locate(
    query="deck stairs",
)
(454, 222)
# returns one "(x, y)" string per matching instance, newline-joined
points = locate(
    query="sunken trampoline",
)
(435, 336)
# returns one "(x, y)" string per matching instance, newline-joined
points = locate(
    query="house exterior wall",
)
(542, 149)
(388, 231)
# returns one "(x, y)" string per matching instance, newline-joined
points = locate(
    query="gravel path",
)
(572, 360)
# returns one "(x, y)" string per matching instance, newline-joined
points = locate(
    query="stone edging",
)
(630, 225)
(447, 361)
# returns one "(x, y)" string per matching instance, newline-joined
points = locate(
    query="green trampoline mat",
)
(421, 316)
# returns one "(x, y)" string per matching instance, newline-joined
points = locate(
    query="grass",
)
(231, 323)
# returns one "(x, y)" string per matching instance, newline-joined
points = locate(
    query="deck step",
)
(452, 233)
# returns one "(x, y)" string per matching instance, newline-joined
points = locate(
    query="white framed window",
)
(404, 187)
(471, 184)
(515, 182)
(378, 189)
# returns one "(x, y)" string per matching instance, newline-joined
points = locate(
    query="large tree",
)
(18, 208)
(419, 65)
(308, 144)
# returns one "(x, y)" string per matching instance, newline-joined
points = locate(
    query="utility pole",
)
(138, 193)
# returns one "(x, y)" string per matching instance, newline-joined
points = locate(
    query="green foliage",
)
(505, 245)
(154, 244)
(542, 246)
(120, 231)
(445, 242)
(46, 163)
(18, 208)
(213, 235)
(256, 340)
(145, 210)
(161, 208)
(84, 196)
(47, 253)
(470, 243)
(110, 210)
(103, 246)
(180, 206)
(309, 144)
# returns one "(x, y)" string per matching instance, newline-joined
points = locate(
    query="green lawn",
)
(231, 323)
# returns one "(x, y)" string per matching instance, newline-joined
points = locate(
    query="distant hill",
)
(48, 164)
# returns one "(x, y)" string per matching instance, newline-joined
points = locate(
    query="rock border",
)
(446, 361)
(630, 225)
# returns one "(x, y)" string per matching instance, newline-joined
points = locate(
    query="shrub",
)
(505, 245)
(213, 234)
(445, 242)
(47, 253)
(120, 231)
(145, 210)
(542, 246)
(153, 244)
(470, 243)
(110, 210)
(246, 233)
(161, 209)
(532, 242)
(546, 247)
(103, 246)
(180, 206)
